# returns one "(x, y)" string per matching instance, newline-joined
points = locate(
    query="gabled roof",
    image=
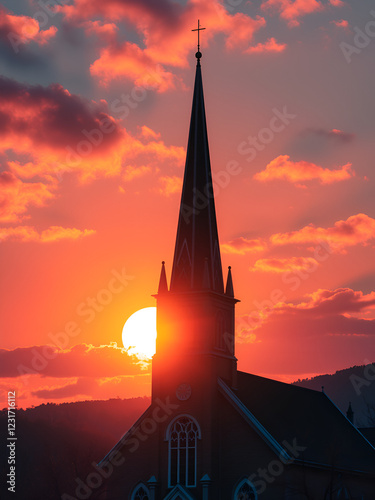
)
(125, 437)
(289, 415)
(369, 433)
(178, 493)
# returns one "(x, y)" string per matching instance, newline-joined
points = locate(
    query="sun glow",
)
(139, 333)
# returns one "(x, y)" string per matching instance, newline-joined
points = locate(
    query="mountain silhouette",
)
(355, 385)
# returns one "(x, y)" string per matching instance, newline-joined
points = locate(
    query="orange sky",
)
(95, 104)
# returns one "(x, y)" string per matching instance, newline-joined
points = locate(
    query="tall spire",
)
(197, 236)
(350, 413)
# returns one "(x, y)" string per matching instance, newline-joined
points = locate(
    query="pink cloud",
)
(326, 331)
(144, 154)
(165, 30)
(16, 196)
(271, 45)
(82, 386)
(56, 233)
(242, 246)
(105, 31)
(170, 185)
(129, 61)
(341, 24)
(51, 116)
(292, 10)
(148, 133)
(337, 3)
(240, 29)
(37, 389)
(275, 265)
(133, 172)
(100, 388)
(339, 301)
(18, 30)
(81, 360)
(357, 229)
(296, 172)
(334, 134)
(53, 233)
(55, 132)
(324, 304)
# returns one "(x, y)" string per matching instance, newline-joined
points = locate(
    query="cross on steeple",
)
(198, 54)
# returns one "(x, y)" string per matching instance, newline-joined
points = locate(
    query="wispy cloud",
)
(271, 45)
(326, 330)
(52, 234)
(296, 172)
(342, 23)
(16, 196)
(334, 134)
(170, 185)
(357, 229)
(243, 245)
(81, 360)
(293, 10)
(275, 265)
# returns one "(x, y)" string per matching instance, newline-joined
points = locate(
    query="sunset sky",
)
(95, 100)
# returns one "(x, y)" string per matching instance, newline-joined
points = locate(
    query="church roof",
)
(302, 426)
(197, 261)
(369, 433)
(296, 415)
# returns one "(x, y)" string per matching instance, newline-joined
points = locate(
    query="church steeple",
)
(350, 413)
(195, 318)
(197, 235)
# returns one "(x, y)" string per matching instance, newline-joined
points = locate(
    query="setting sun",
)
(139, 333)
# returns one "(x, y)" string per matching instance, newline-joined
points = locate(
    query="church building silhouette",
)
(212, 432)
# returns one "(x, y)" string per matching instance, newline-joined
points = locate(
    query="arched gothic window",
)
(182, 435)
(141, 493)
(245, 491)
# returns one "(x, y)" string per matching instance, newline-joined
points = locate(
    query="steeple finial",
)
(229, 288)
(163, 285)
(198, 55)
